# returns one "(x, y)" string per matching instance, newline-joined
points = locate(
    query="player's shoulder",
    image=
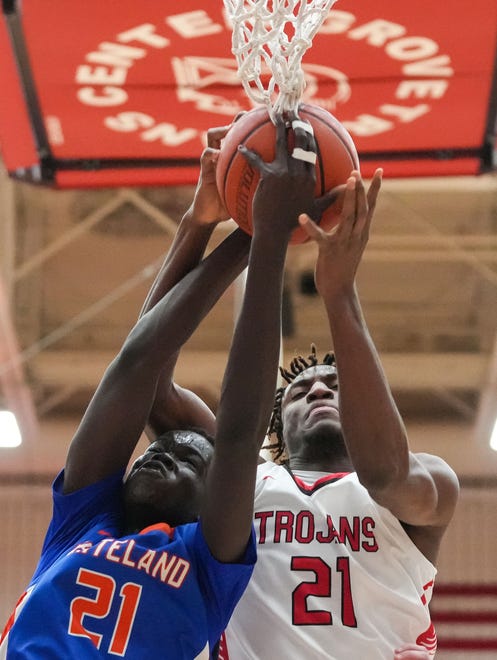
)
(445, 480)
(269, 468)
(437, 467)
(272, 472)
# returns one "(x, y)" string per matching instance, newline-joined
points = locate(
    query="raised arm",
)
(175, 406)
(419, 490)
(119, 409)
(286, 187)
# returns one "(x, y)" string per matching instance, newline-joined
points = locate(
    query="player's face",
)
(310, 407)
(168, 480)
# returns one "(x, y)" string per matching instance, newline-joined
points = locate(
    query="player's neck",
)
(321, 464)
(137, 518)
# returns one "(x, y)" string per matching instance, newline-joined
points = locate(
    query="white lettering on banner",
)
(54, 130)
(100, 75)
(404, 113)
(337, 22)
(116, 55)
(169, 134)
(114, 61)
(128, 122)
(420, 57)
(212, 84)
(193, 24)
(103, 98)
(435, 66)
(377, 33)
(365, 125)
(194, 74)
(421, 89)
(206, 102)
(144, 34)
(411, 48)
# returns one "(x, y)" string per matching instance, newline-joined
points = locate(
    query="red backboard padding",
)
(16, 136)
(121, 93)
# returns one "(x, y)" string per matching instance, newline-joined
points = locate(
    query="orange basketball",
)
(237, 180)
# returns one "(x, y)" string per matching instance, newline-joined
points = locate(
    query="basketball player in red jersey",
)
(342, 259)
(350, 525)
(147, 567)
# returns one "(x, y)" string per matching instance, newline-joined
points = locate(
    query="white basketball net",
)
(270, 37)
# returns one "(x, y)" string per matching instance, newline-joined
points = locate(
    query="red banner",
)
(121, 93)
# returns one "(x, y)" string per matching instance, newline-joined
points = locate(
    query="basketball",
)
(237, 180)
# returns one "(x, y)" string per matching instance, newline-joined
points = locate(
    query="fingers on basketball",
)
(281, 138)
(374, 189)
(310, 227)
(252, 157)
(336, 157)
(215, 135)
(209, 157)
(303, 135)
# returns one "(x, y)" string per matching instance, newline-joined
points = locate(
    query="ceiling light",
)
(10, 436)
(493, 437)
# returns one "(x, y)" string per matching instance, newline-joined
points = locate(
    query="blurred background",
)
(86, 217)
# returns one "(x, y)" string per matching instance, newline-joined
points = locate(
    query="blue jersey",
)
(95, 593)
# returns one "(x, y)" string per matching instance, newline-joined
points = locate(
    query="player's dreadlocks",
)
(297, 366)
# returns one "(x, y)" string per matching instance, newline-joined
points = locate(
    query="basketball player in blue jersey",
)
(152, 564)
(358, 447)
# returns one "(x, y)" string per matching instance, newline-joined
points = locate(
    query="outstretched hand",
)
(341, 248)
(286, 185)
(207, 206)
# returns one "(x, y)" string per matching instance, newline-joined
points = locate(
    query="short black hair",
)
(298, 365)
(188, 429)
